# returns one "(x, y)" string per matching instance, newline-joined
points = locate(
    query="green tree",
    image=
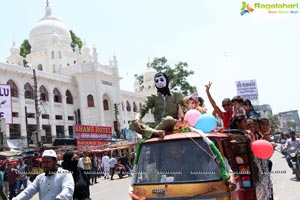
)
(25, 49)
(291, 124)
(76, 41)
(274, 122)
(139, 78)
(177, 76)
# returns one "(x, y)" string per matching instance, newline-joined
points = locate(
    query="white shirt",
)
(112, 162)
(57, 186)
(105, 161)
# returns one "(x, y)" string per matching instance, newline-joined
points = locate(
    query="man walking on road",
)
(105, 166)
(112, 166)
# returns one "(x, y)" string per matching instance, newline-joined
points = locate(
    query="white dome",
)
(44, 31)
(47, 26)
(149, 74)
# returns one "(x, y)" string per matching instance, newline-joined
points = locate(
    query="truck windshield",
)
(176, 161)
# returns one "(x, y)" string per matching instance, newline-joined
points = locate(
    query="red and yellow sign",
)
(93, 132)
(83, 142)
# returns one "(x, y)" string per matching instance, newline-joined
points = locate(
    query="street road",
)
(286, 187)
(116, 189)
(284, 182)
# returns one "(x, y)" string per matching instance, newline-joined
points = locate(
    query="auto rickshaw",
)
(199, 170)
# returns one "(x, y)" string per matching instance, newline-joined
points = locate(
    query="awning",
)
(10, 153)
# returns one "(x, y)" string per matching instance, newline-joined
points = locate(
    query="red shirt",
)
(226, 117)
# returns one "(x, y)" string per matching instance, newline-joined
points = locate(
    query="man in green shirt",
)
(165, 106)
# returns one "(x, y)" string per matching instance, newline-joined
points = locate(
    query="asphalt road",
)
(285, 185)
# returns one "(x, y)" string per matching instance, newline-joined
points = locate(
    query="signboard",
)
(247, 89)
(5, 103)
(93, 132)
(86, 142)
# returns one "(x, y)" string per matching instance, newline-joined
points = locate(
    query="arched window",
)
(90, 100)
(128, 107)
(57, 95)
(44, 94)
(52, 54)
(28, 91)
(40, 67)
(59, 55)
(53, 68)
(69, 96)
(13, 88)
(134, 107)
(105, 105)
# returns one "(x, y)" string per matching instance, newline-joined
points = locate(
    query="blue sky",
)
(217, 42)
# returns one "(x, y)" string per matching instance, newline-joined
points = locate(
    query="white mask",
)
(160, 82)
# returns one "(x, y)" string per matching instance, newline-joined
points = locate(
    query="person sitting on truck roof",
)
(165, 106)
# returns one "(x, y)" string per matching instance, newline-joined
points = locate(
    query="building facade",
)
(73, 87)
(288, 121)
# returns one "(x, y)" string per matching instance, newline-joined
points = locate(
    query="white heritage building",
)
(73, 86)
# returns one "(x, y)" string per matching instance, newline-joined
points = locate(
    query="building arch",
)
(28, 91)
(90, 101)
(69, 97)
(105, 104)
(134, 107)
(56, 95)
(44, 96)
(13, 88)
(128, 106)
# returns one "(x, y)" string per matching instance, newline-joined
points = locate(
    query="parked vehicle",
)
(275, 137)
(196, 172)
(294, 154)
(283, 150)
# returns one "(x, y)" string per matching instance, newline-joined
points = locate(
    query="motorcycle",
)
(121, 170)
(294, 154)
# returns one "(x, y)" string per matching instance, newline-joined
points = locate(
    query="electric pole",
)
(117, 123)
(37, 110)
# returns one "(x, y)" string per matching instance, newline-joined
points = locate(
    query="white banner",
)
(5, 103)
(247, 89)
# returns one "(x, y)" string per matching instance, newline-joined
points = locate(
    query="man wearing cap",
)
(55, 183)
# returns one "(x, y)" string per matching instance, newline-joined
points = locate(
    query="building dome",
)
(47, 26)
(42, 32)
(149, 74)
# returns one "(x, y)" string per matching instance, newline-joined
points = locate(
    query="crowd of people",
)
(168, 106)
(69, 178)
